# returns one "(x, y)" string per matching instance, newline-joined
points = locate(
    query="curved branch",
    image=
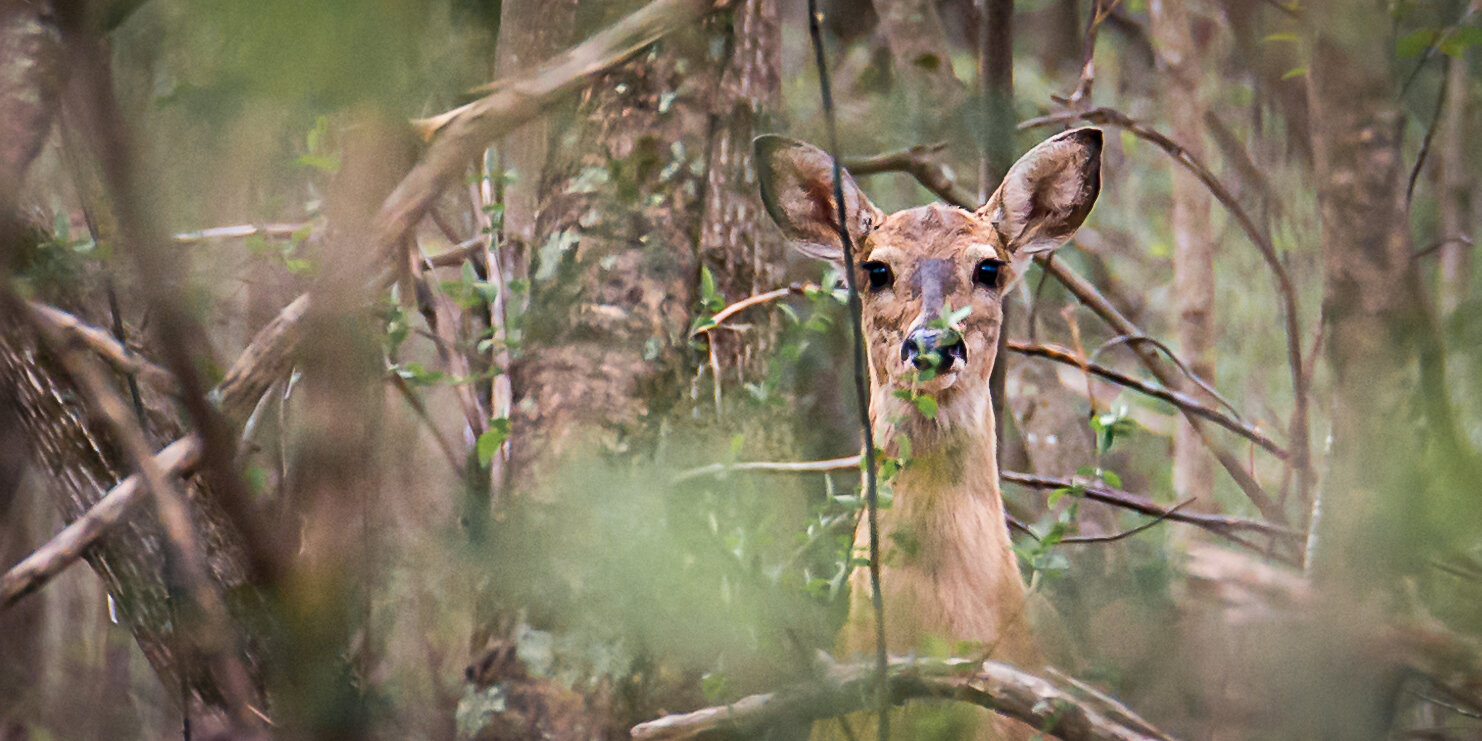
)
(1292, 316)
(1222, 525)
(843, 689)
(1181, 400)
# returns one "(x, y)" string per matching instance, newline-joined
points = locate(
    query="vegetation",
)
(383, 400)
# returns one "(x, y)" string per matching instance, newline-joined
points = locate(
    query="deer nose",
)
(937, 349)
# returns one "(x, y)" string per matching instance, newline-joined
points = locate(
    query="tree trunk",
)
(1193, 254)
(1364, 526)
(1455, 171)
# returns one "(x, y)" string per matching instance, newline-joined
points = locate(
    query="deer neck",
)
(947, 497)
(949, 570)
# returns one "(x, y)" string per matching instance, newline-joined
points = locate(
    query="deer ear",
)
(797, 183)
(1048, 193)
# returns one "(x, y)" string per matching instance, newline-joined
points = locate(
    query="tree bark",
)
(1364, 527)
(1455, 171)
(1193, 254)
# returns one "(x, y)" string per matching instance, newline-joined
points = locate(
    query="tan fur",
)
(949, 578)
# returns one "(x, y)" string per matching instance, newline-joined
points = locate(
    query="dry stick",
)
(843, 689)
(1083, 290)
(262, 363)
(105, 346)
(1301, 456)
(214, 635)
(239, 231)
(462, 133)
(861, 379)
(1112, 707)
(1172, 357)
(1430, 132)
(796, 289)
(1179, 399)
(66, 547)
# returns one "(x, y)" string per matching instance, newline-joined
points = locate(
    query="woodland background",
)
(477, 442)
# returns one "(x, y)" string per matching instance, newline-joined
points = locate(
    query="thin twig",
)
(796, 289)
(1430, 132)
(240, 231)
(1291, 310)
(1222, 525)
(420, 409)
(861, 378)
(1178, 362)
(1171, 511)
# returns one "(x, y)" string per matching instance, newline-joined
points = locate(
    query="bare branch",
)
(1291, 311)
(67, 546)
(1114, 537)
(796, 289)
(1222, 525)
(213, 634)
(464, 131)
(843, 689)
(1179, 399)
(103, 344)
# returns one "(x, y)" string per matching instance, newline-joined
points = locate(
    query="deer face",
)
(932, 278)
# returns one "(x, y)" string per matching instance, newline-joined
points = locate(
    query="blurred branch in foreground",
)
(842, 689)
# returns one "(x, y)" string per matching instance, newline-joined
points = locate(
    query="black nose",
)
(936, 349)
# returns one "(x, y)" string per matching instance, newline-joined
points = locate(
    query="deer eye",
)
(879, 274)
(986, 274)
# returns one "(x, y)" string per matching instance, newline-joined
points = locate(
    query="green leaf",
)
(1294, 72)
(1112, 479)
(926, 405)
(489, 442)
(1282, 37)
(1415, 43)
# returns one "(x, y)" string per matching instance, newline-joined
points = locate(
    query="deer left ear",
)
(1047, 194)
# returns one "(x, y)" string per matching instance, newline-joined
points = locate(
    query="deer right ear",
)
(797, 183)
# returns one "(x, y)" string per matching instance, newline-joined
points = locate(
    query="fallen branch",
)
(845, 688)
(67, 546)
(1179, 399)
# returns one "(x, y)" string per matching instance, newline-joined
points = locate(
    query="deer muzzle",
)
(935, 349)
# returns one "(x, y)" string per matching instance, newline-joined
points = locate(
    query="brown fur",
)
(948, 574)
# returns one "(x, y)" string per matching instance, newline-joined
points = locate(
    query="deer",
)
(949, 575)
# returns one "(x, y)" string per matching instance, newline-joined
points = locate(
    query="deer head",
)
(919, 269)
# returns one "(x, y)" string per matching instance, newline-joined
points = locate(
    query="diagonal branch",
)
(1291, 311)
(105, 346)
(1222, 525)
(1179, 399)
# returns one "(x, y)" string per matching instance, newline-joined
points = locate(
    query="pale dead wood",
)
(264, 361)
(105, 346)
(843, 689)
(796, 289)
(239, 231)
(212, 635)
(67, 546)
(460, 134)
